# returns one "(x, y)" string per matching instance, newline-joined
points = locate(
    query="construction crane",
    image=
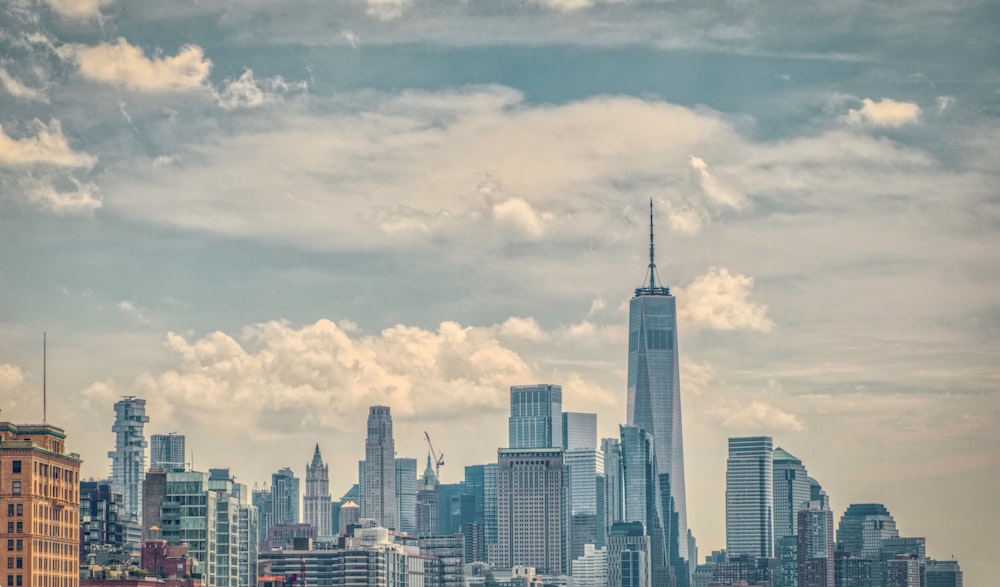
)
(438, 458)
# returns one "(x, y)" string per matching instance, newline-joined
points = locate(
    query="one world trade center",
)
(654, 391)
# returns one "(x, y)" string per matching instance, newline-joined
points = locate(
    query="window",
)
(10, 527)
(20, 563)
(10, 509)
(15, 466)
(20, 509)
(20, 527)
(10, 562)
(20, 545)
(10, 545)
(15, 487)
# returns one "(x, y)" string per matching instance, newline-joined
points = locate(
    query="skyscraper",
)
(166, 451)
(585, 465)
(863, 527)
(750, 497)
(579, 431)
(317, 500)
(791, 492)
(380, 470)
(530, 510)
(643, 496)
(535, 416)
(427, 501)
(654, 388)
(285, 494)
(128, 460)
(406, 495)
(815, 545)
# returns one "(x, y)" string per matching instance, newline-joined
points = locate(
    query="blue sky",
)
(264, 217)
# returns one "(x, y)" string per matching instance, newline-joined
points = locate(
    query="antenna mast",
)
(652, 256)
(44, 373)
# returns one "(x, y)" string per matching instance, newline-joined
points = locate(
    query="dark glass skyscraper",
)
(654, 388)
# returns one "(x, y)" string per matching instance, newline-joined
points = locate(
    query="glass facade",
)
(128, 460)
(579, 431)
(750, 497)
(535, 416)
(791, 492)
(166, 451)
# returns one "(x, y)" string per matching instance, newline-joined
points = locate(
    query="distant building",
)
(169, 563)
(942, 574)
(614, 505)
(285, 497)
(406, 495)
(535, 416)
(166, 451)
(591, 569)
(379, 483)
(791, 491)
(853, 571)
(815, 546)
(427, 502)
(283, 536)
(154, 490)
(102, 534)
(579, 431)
(350, 513)
(449, 551)
(39, 506)
(317, 499)
(750, 497)
(530, 512)
(642, 496)
(128, 460)
(585, 468)
(628, 554)
(863, 527)
(903, 571)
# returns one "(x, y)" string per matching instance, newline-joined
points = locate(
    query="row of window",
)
(12, 543)
(12, 508)
(15, 580)
(15, 562)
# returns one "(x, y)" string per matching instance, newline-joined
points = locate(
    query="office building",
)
(427, 507)
(579, 431)
(791, 492)
(128, 460)
(531, 521)
(380, 470)
(350, 513)
(628, 554)
(750, 497)
(591, 568)
(406, 495)
(614, 491)
(853, 571)
(285, 497)
(316, 502)
(863, 527)
(942, 574)
(535, 416)
(154, 489)
(262, 500)
(448, 551)
(166, 451)
(787, 553)
(903, 571)
(654, 391)
(815, 546)
(643, 496)
(39, 506)
(585, 467)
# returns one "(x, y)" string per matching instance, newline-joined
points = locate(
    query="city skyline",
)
(264, 220)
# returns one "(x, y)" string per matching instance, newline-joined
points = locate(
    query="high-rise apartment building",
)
(379, 493)
(750, 497)
(39, 507)
(102, 534)
(654, 388)
(535, 416)
(815, 545)
(285, 496)
(406, 495)
(863, 527)
(317, 499)
(791, 492)
(128, 460)
(531, 524)
(166, 451)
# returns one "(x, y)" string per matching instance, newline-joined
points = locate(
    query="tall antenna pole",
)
(652, 262)
(44, 373)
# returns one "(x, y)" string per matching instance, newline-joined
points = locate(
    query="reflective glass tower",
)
(535, 416)
(750, 496)
(654, 388)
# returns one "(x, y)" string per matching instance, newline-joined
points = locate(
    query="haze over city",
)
(264, 218)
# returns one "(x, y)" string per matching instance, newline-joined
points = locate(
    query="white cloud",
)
(566, 5)
(82, 199)
(352, 38)
(387, 9)
(756, 417)
(720, 194)
(719, 300)
(137, 313)
(78, 9)
(19, 90)
(518, 213)
(523, 328)
(48, 146)
(885, 112)
(123, 64)
(321, 375)
(943, 103)
(248, 92)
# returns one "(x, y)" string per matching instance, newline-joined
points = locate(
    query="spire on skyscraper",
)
(317, 458)
(649, 287)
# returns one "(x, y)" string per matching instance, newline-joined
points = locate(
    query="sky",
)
(265, 217)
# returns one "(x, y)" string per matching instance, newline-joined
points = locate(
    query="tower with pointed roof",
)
(317, 498)
(427, 501)
(654, 394)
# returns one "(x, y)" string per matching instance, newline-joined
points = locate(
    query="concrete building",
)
(166, 451)
(154, 490)
(531, 521)
(379, 482)
(750, 497)
(535, 417)
(591, 568)
(815, 548)
(128, 460)
(903, 571)
(654, 387)
(350, 513)
(39, 507)
(449, 551)
(317, 499)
